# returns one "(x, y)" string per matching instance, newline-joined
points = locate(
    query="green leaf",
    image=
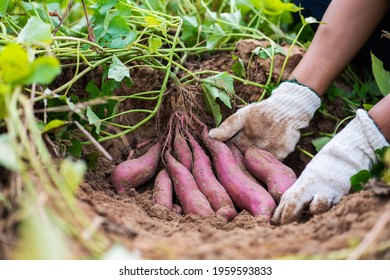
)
(106, 6)
(92, 89)
(73, 172)
(382, 77)
(44, 69)
(118, 26)
(217, 36)
(93, 119)
(76, 148)
(154, 44)
(190, 30)
(320, 142)
(8, 158)
(212, 107)
(239, 68)
(35, 31)
(207, 17)
(118, 71)
(267, 52)
(92, 160)
(367, 107)
(359, 179)
(3, 7)
(54, 124)
(115, 33)
(220, 86)
(14, 64)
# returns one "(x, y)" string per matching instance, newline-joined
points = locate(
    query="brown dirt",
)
(132, 219)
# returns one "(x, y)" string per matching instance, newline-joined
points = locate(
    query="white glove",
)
(272, 124)
(326, 179)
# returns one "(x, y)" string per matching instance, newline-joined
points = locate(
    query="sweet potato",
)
(163, 189)
(245, 193)
(181, 149)
(177, 209)
(209, 184)
(191, 198)
(239, 157)
(265, 167)
(135, 172)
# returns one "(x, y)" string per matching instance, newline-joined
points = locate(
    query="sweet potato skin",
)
(191, 198)
(208, 184)
(182, 150)
(163, 189)
(266, 168)
(245, 193)
(239, 157)
(135, 172)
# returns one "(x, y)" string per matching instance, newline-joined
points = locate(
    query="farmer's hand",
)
(326, 179)
(272, 124)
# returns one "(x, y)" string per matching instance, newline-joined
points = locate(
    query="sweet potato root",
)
(266, 168)
(245, 193)
(135, 172)
(177, 209)
(181, 149)
(163, 189)
(209, 184)
(191, 198)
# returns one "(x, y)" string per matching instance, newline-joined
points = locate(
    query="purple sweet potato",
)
(265, 167)
(245, 193)
(208, 184)
(239, 157)
(163, 189)
(191, 198)
(135, 172)
(181, 149)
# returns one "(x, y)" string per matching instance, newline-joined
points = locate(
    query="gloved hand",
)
(326, 179)
(272, 124)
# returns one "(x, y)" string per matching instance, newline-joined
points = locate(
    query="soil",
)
(132, 219)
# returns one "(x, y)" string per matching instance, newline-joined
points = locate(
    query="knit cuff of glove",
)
(372, 135)
(294, 103)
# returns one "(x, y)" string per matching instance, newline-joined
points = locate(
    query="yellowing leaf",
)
(14, 64)
(4, 91)
(152, 21)
(276, 7)
(53, 125)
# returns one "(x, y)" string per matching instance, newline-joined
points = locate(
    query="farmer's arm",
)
(348, 25)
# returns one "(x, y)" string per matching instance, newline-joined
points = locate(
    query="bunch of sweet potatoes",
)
(204, 176)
